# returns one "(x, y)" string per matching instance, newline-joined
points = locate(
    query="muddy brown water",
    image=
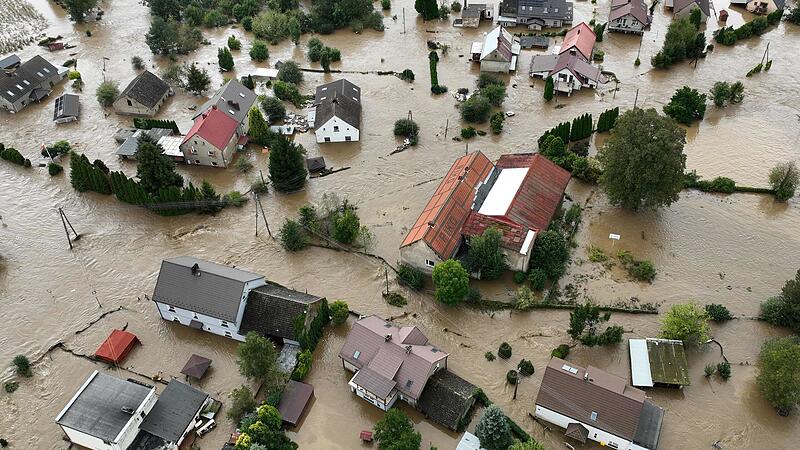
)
(736, 250)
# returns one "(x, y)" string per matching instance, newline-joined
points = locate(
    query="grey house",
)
(535, 14)
(30, 82)
(10, 62)
(233, 99)
(143, 96)
(273, 310)
(67, 108)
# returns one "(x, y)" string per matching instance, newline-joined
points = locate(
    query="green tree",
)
(476, 109)
(584, 326)
(527, 445)
(779, 373)
(233, 43)
(155, 170)
(784, 178)
(214, 18)
(496, 122)
(718, 313)
(242, 402)
(274, 108)
(257, 359)
(290, 72)
(550, 254)
(495, 93)
(643, 160)
(259, 51)
(210, 198)
(23, 366)
(162, 37)
(293, 237)
(168, 9)
(720, 93)
(686, 322)
(794, 15)
(549, 88)
(784, 309)
(295, 30)
(599, 29)
(197, 79)
(485, 254)
(428, 9)
(287, 167)
(107, 92)
(395, 431)
(407, 128)
(225, 59)
(79, 8)
(257, 126)
(451, 281)
(686, 105)
(345, 225)
(339, 312)
(695, 17)
(493, 429)
(270, 417)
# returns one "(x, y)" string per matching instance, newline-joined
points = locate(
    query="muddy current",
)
(736, 250)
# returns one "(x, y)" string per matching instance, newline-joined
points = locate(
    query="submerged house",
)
(389, 362)
(683, 8)
(337, 112)
(760, 7)
(628, 16)
(498, 52)
(108, 413)
(519, 195)
(591, 404)
(473, 14)
(30, 82)
(230, 302)
(235, 101)
(579, 41)
(212, 140)
(143, 96)
(535, 14)
(570, 68)
(67, 108)
(658, 362)
(130, 145)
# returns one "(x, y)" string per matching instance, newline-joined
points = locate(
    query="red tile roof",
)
(582, 38)
(117, 346)
(513, 233)
(214, 126)
(440, 223)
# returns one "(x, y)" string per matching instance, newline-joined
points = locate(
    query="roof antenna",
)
(196, 270)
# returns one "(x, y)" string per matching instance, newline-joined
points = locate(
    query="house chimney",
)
(196, 270)
(408, 349)
(387, 338)
(128, 410)
(586, 376)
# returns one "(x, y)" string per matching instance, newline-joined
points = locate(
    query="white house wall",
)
(626, 24)
(196, 151)
(126, 437)
(495, 66)
(595, 434)
(417, 254)
(326, 130)
(84, 440)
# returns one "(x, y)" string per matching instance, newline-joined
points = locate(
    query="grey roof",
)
(147, 89)
(648, 430)
(534, 41)
(339, 98)
(216, 291)
(131, 145)
(271, 311)
(234, 99)
(373, 382)
(9, 62)
(582, 70)
(680, 5)
(66, 106)
(174, 410)
(97, 410)
(636, 8)
(146, 441)
(550, 9)
(446, 398)
(472, 11)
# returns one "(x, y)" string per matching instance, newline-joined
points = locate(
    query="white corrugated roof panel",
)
(503, 191)
(640, 363)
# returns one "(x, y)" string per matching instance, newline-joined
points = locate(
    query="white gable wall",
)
(626, 23)
(336, 130)
(595, 434)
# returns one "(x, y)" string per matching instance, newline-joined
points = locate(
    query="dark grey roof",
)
(271, 311)
(534, 41)
(446, 398)
(97, 410)
(316, 164)
(216, 291)
(146, 441)
(234, 99)
(131, 144)
(374, 382)
(9, 62)
(147, 89)
(648, 430)
(550, 9)
(339, 98)
(174, 410)
(66, 106)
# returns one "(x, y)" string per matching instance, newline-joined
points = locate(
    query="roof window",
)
(593, 417)
(356, 354)
(409, 383)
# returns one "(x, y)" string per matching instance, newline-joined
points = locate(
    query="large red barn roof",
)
(214, 126)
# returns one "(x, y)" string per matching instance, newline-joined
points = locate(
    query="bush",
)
(468, 133)
(225, 59)
(686, 106)
(407, 75)
(23, 365)
(290, 73)
(504, 351)
(54, 169)
(107, 92)
(274, 108)
(493, 429)
(643, 271)
(243, 164)
(537, 278)
(474, 295)
(259, 51)
(292, 236)
(495, 93)
(686, 322)
(496, 122)
(339, 312)
(288, 92)
(489, 356)
(386, 5)
(136, 62)
(10, 388)
(779, 376)
(784, 178)
(438, 89)
(525, 367)
(300, 372)
(12, 155)
(512, 376)
(520, 277)
(242, 402)
(411, 276)
(233, 43)
(709, 370)
(407, 128)
(718, 313)
(550, 254)
(451, 281)
(561, 351)
(724, 370)
(476, 109)
(455, 7)
(549, 88)
(236, 199)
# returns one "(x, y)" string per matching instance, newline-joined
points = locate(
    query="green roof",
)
(668, 364)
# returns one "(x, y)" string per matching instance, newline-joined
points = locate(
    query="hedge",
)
(607, 120)
(144, 123)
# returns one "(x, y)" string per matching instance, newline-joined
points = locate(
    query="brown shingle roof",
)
(636, 8)
(294, 399)
(440, 223)
(446, 398)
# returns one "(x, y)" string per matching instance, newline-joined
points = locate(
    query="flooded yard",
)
(736, 250)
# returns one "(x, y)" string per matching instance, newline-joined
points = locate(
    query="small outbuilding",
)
(294, 400)
(447, 399)
(66, 108)
(116, 347)
(540, 42)
(196, 367)
(143, 96)
(315, 165)
(658, 362)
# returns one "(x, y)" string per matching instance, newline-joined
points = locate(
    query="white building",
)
(498, 52)
(628, 16)
(337, 112)
(204, 295)
(570, 72)
(591, 404)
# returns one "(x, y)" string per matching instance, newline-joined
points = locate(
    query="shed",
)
(315, 165)
(66, 108)
(265, 74)
(469, 442)
(196, 367)
(295, 398)
(117, 346)
(658, 362)
(447, 398)
(534, 42)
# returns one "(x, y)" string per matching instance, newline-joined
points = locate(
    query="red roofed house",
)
(579, 40)
(519, 195)
(212, 139)
(389, 361)
(628, 16)
(570, 68)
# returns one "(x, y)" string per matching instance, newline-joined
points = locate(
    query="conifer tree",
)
(287, 168)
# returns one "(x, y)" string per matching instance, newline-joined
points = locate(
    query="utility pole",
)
(261, 207)
(516, 385)
(446, 126)
(255, 207)
(466, 150)
(636, 100)
(65, 222)
(404, 21)
(386, 274)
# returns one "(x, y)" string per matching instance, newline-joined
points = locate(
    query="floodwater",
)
(736, 250)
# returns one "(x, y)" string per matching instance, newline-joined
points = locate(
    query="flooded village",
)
(182, 291)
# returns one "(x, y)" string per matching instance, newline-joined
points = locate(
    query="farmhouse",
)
(628, 16)
(535, 14)
(518, 196)
(570, 72)
(143, 96)
(473, 14)
(498, 52)
(212, 140)
(30, 82)
(235, 101)
(591, 404)
(337, 112)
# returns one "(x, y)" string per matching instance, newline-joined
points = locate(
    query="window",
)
(327, 139)
(213, 163)
(222, 323)
(429, 263)
(141, 413)
(171, 309)
(612, 444)
(130, 103)
(194, 150)
(409, 383)
(336, 128)
(228, 334)
(175, 319)
(211, 153)
(194, 315)
(197, 161)
(356, 354)
(593, 417)
(347, 138)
